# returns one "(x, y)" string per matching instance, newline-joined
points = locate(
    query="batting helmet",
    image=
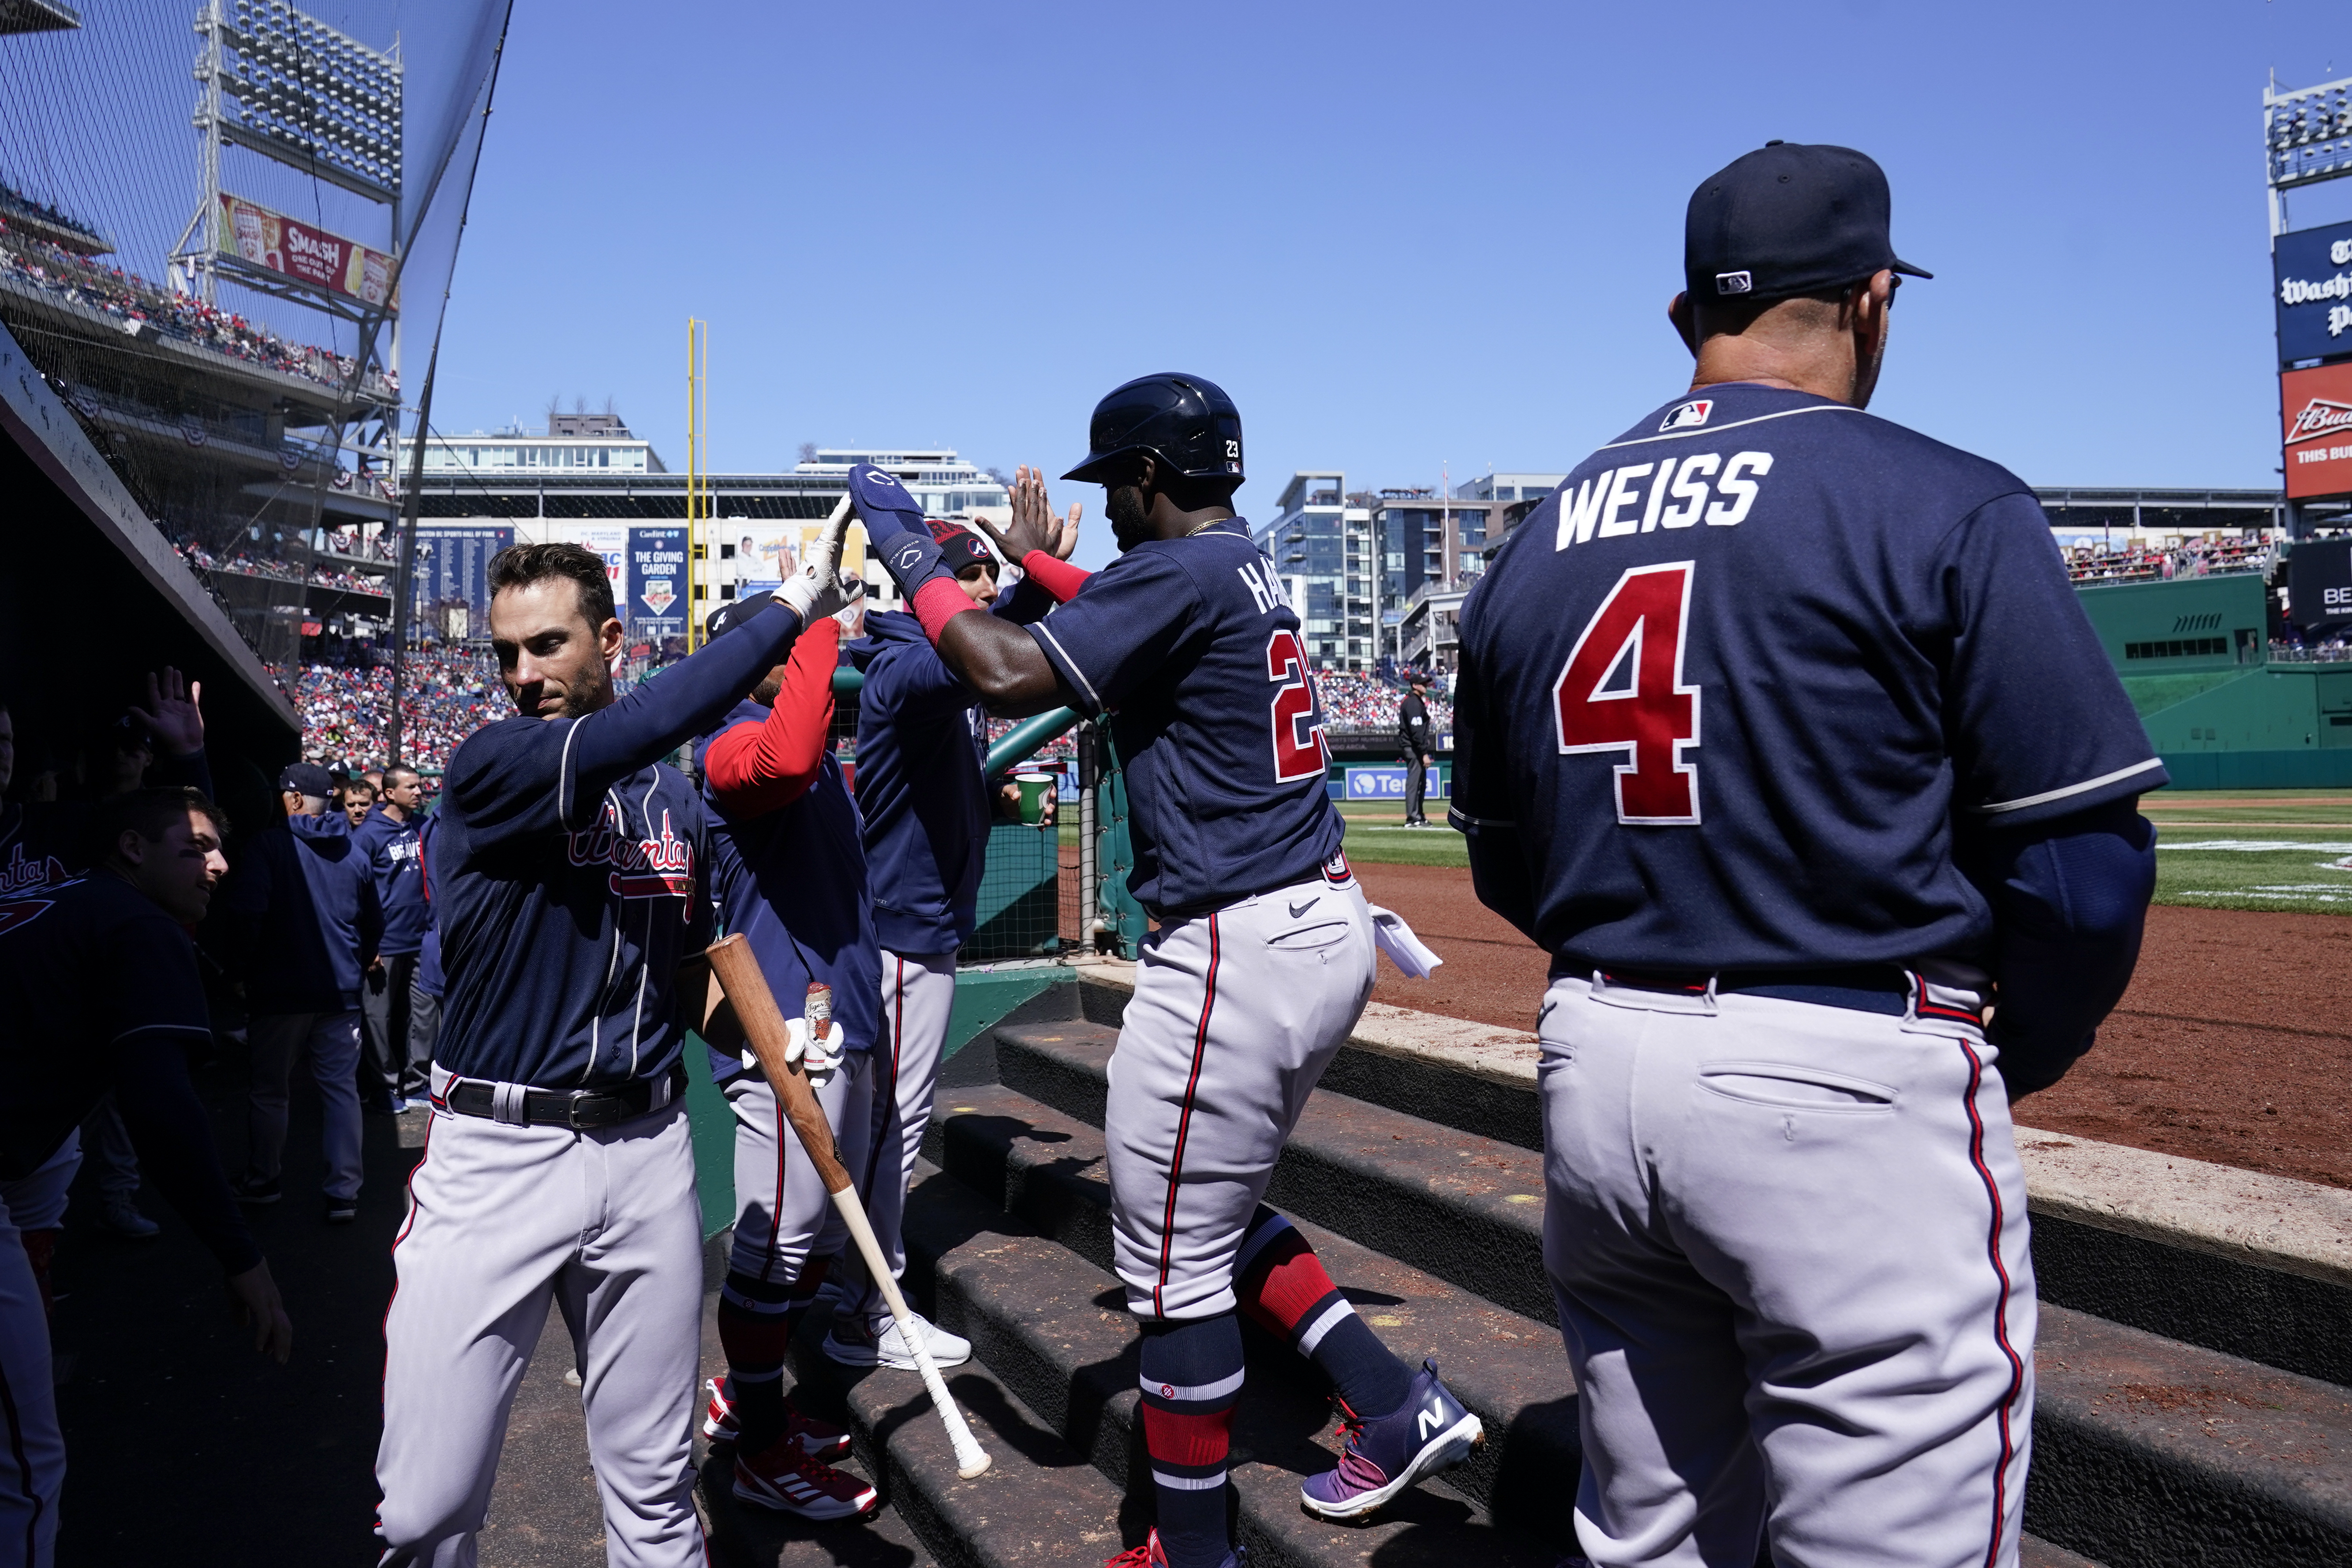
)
(1188, 423)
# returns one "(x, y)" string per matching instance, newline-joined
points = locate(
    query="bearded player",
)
(1264, 955)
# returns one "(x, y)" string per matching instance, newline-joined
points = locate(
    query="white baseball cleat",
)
(853, 1343)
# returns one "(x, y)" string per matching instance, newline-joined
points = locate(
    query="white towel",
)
(1404, 949)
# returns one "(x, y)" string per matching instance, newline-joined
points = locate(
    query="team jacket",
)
(786, 868)
(303, 897)
(44, 842)
(394, 850)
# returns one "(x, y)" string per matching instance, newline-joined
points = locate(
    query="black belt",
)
(1863, 987)
(580, 1108)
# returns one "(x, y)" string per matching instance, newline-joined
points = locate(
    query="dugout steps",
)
(2152, 1450)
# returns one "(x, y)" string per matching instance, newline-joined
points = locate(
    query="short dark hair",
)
(150, 813)
(394, 770)
(519, 566)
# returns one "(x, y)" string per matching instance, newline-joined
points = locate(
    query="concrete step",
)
(1038, 1503)
(1044, 1169)
(1053, 1328)
(1466, 1209)
(2273, 1488)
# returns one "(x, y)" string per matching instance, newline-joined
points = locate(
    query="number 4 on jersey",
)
(1632, 647)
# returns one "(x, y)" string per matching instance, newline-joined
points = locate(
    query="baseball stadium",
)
(247, 550)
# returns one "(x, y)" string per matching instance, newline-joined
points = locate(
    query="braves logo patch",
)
(1689, 415)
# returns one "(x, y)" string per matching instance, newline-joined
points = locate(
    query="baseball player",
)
(787, 872)
(390, 833)
(568, 872)
(1780, 726)
(924, 803)
(99, 990)
(1263, 959)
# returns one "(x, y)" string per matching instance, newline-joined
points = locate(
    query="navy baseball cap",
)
(881, 503)
(959, 546)
(726, 617)
(306, 779)
(1789, 218)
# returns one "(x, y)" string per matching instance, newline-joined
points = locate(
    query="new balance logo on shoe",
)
(1431, 1419)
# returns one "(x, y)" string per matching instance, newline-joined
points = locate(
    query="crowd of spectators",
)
(13, 200)
(128, 297)
(2133, 561)
(246, 563)
(344, 708)
(1358, 700)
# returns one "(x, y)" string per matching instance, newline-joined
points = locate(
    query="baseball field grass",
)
(2243, 849)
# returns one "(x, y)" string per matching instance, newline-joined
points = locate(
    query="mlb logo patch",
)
(1690, 415)
(1740, 282)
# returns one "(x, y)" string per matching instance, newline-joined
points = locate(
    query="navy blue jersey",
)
(1189, 646)
(563, 920)
(1742, 692)
(793, 882)
(303, 890)
(922, 745)
(44, 842)
(86, 965)
(392, 850)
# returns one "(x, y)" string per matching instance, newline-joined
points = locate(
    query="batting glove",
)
(818, 589)
(819, 1055)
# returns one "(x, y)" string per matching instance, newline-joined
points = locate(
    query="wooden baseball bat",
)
(763, 1025)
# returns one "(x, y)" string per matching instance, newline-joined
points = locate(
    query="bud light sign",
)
(2313, 270)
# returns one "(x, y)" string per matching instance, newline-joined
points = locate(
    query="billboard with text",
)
(657, 606)
(294, 249)
(2317, 406)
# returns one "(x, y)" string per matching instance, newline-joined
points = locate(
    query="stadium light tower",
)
(2307, 134)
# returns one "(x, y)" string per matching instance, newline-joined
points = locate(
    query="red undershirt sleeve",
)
(1056, 575)
(755, 769)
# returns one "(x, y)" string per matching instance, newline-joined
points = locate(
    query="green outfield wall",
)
(2194, 658)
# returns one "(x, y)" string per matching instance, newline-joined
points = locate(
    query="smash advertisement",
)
(294, 249)
(2317, 406)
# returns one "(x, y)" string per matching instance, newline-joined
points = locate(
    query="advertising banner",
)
(2319, 583)
(2312, 270)
(453, 571)
(657, 605)
(1387, 783)
(610, 540)
(296, 250)
(2317, 405)
(768, 550)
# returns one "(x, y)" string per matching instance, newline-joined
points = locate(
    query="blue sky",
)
(1402, 236)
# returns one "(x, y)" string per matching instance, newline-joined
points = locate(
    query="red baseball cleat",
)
(818, 1440)
(788, 1481)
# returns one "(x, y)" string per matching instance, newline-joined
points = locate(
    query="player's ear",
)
(1685, 322)
(130, 848)
(609, 638)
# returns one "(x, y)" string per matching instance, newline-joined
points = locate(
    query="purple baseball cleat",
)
(1386, 1454)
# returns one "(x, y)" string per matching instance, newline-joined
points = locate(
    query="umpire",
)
(1420, 746)
(1778, 725)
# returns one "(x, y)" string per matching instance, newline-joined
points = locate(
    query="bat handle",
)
(972, 1460)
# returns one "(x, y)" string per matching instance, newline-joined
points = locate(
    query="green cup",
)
(1033, 795)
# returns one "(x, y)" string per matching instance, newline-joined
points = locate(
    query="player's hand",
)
(171, 716)
(818, 589)
(819, 1055)
(1034, 525)
(252, 1297)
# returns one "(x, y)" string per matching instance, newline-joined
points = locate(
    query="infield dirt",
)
(2234, 1043)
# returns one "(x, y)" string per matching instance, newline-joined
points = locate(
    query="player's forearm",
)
(2070, 906)
(684, 701)
(193, 770)
(756, 769)
(1003, 664)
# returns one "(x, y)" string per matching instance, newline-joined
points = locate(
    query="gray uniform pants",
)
(783, 1215)
(387, 1028)
(1235, 1017)
(605, 1224)
(32, 1447)
(106, 1144)
(889, 1107)
(1788, 1242)
(332, 1043)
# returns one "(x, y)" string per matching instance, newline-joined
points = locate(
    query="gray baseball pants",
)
(506, 1219)
(784, 1216)
(889, 1107)
(1790, 1246)
(32, 1446)
(1235, 1017)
